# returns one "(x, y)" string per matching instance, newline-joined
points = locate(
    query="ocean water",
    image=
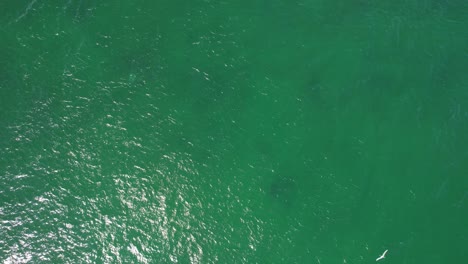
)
(303, 131)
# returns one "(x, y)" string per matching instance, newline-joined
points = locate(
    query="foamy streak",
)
(26, 11)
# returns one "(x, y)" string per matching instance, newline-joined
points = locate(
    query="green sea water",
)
(202, 131)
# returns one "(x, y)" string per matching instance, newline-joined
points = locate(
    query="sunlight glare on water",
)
(233, 132)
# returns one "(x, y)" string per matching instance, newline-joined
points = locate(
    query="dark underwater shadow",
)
(282, 190)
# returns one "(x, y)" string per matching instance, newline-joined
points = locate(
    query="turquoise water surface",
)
(301, 131)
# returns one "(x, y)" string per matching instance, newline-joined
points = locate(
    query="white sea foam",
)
(26, 11)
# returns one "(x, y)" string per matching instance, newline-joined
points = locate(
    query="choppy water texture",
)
(306, 131)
